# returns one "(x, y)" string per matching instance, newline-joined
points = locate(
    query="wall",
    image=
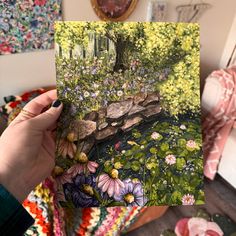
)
(31, 70)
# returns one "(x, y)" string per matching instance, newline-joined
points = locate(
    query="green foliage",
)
(180, 163)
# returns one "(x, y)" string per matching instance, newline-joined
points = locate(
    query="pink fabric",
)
(218, 123)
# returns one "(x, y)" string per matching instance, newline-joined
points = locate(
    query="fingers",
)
(48, 118)
(35, 106)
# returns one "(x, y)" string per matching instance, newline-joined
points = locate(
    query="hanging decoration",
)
(113, 10)
(191, 12)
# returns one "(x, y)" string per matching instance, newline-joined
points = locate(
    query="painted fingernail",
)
(56, 103)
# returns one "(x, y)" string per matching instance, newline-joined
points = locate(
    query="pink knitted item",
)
(218, 123)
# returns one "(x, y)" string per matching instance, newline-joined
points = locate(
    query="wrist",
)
(14, 185)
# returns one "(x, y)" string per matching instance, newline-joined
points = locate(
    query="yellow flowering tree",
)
(67, 36)
(181, 90)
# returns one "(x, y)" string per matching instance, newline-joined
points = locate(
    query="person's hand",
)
(27, 147)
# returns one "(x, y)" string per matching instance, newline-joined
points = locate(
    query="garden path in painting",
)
(130, 131)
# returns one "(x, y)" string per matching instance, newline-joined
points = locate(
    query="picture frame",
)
(117, 10)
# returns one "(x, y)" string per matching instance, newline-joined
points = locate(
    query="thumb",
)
(48, 118)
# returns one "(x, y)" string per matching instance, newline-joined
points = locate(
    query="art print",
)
(130, 132)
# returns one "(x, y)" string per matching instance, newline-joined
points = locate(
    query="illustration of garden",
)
(130, 132)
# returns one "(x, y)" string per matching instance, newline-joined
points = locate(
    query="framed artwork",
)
(130, 131)
(27, 25)
(156, 11)
(113, 10)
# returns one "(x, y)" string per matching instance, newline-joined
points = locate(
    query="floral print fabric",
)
(27, 25)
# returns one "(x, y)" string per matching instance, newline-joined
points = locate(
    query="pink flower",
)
(66, 148)
(117, 146)
(170, 159)
(181, 228)
(26, 5)
(29, 35)
(110, 183)
(191, 144)
(84, 165)
(197, 226)
(65, 178)
(188, 199)
(88, 166)
(40, 2)
(5, 48)
(155, 135)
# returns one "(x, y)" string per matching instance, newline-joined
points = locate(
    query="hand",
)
(27, 147)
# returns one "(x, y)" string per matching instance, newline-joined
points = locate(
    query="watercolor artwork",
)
(130, 131)
(27, 25)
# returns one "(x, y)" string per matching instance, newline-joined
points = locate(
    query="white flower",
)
(188, 199)
(95, 85)
(142, 147)
(86, 94)
(124, 85)
(170, 159)
(183, 127)
(119, 93)
(191, 144)
(123, 151)
(155, 135)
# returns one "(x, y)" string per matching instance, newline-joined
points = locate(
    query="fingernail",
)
(56, 103)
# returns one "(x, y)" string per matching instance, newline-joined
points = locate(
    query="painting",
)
(130, 131)
(27, 25)
(113, 10)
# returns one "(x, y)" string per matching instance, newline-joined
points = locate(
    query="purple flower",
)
(132, 194)
(72, 109)
(94, 70)
(82, 191)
